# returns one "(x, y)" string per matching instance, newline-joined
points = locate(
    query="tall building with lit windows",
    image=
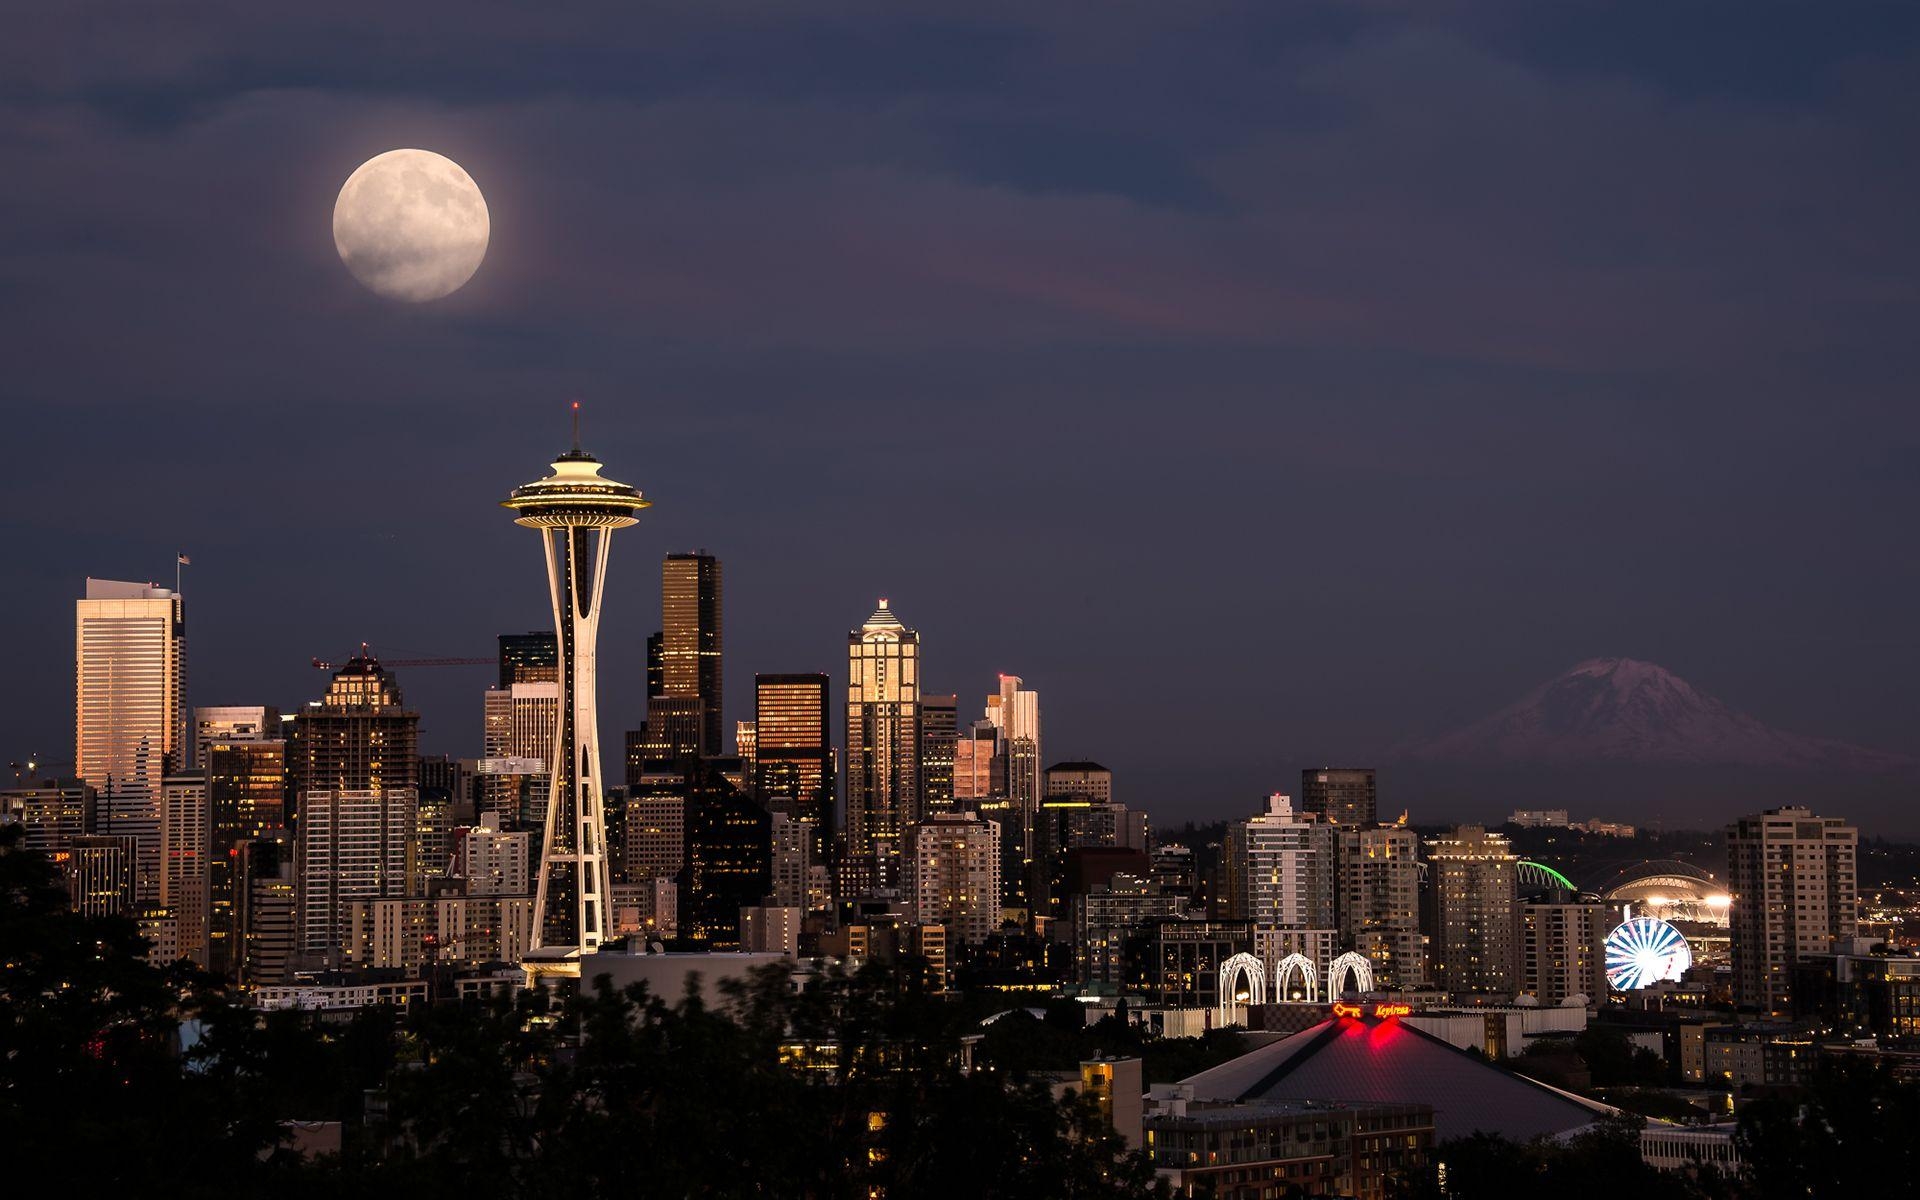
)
(1339, 795)
(1377, 901)
(246, 798)
(185, 846)
(1015, 711)
(954, 878)
(793, 754)
(129, 723)
(883, 750)
(1794, 879)
(1474, 939)
(359, 736)
(939, 736)
(1278, 869)
(691, 641)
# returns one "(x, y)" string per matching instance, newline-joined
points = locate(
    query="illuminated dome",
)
(1670, 890)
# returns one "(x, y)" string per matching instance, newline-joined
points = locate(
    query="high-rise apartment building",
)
(883, 749)
(1795, 885)
(1563, 948)
(494, 863)
(1339, 795)
(359, 736)
(939, 733)
(1474, 940)
(1377, 900)
(793, 755)
(185, 846)
(954, 878)
(792, 863)
(690, 640)
(129, 723)
(354, 845)
(1279, 869)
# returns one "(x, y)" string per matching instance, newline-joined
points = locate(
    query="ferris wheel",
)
(1643, 951)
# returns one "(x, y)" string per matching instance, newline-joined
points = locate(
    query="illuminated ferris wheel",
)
(1644, 951)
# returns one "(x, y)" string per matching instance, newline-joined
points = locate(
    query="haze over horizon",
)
(1256, 416)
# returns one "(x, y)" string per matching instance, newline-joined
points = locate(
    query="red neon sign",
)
(1341, 1009)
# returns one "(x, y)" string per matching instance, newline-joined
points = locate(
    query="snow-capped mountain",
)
(1621, 711)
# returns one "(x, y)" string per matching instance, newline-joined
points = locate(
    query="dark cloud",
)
(1260, 381)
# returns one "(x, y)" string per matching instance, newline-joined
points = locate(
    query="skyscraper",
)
(1475, 936)
(1795, 886)
(690, 640)
(359, 736)
(354, 844)
(729, 859)
(883, 749)
(233, 723)
(529, 658)
(1015, 711)
(185, 842)
(575, 512)
(129, 725)
(979, 769)
(939, 733)
(1339, 795)
(246, 788)
(1563, 947)
(517, 733)
(793, 759)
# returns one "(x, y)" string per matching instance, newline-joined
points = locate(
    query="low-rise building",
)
(1299, 1147)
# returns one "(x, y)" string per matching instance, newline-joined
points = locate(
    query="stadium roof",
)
(1391, 1062)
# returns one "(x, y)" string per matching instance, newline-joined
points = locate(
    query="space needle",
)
(576, 511)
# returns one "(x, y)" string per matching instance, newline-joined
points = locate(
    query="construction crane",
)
(367, 652)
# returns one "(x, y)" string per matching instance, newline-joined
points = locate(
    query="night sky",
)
(1264, 383)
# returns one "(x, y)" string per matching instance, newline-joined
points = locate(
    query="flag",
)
(184, 560)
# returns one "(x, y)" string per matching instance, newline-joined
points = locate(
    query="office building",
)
(1563, 948)
(1106, 916)
(1079, 780)
(575, 511)
(690, 641)
(1015, 712)
(770, 929)
(1176, 963)
(793, 755)
(185, 846)
(939, 731)
(729, 860)
(1794, 881)
(746, 747)
(267, 903)
(411, 932)
(883, 749)
(529, 658)
(955, 876)
(1339, 795)
(1377, 901)
(649, 909)
(1278, 869)
(246, 797)
(129, 723)
(1474, 937)
(353, 845)
(50, 813)
(979, 767)
(654, 845)
(233, 723)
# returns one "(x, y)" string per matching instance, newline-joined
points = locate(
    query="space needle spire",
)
(575, 510)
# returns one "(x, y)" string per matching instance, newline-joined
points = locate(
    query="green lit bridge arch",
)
(1540, 875)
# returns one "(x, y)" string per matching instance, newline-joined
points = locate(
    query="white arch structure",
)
(1241, 966)
(1349, 964)
(1287, 967)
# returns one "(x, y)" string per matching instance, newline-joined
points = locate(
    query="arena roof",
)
(1390, 1062)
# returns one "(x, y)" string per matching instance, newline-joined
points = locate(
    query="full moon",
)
(411, 225)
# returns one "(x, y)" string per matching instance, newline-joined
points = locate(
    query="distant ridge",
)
(1625, 712)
